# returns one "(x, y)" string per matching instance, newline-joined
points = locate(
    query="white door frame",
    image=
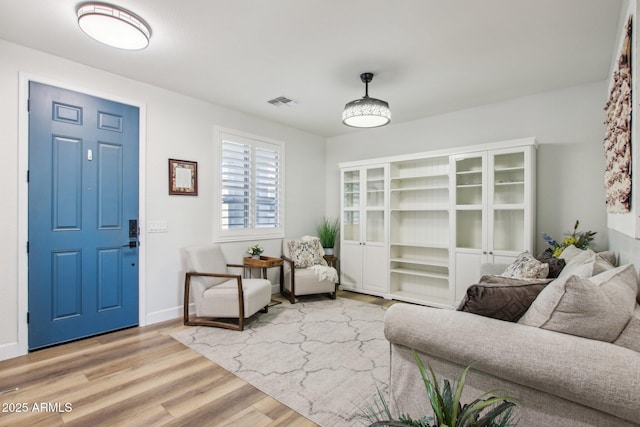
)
(23, 197)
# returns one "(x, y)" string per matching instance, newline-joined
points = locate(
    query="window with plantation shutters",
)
(251, 187)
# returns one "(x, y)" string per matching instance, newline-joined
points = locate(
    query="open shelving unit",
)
(419, 258)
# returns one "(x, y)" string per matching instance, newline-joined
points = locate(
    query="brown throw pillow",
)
(555, 264)
(501, 297)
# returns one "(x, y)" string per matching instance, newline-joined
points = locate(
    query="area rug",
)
(326, 359)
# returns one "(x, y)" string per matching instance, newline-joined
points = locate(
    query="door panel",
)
(83, 190)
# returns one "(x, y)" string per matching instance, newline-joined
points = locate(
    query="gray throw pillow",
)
(501, 297)
(597, 308)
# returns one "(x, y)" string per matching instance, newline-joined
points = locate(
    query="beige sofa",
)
(558, 379)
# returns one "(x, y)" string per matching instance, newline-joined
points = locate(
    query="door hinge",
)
(27, 246)
(27, 317)
(28, 176)
(28, 105)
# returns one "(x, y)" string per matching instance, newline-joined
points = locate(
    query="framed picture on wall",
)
(183, 177)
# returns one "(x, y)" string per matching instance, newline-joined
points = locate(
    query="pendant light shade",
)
(113, 26)
(366, 112)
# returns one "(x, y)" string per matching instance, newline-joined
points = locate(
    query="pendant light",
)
(113, 26)
(366, 112)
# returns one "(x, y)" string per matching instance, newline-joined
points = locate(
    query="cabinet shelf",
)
(422, 209)
(509, 207)
(469, 186)
(421, 188)
(498, 184)
(510, 169)
(420, 261)
(420, 175)
(422, 245)
(420, 298)
(469, 172)
(468, 207)
(420, 273)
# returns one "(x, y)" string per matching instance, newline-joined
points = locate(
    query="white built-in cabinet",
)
(493, 209)
(363, 245)
(417, 227)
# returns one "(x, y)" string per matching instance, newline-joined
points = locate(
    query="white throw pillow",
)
(584, 262)
(596, 308)
(526, 267)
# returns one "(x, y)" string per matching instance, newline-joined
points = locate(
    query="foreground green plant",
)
(492, 411)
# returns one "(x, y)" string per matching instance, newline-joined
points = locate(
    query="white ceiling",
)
(428, 56)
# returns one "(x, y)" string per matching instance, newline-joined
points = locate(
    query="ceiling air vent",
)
(282, 101)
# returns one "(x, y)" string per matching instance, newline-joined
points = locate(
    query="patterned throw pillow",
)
(526, 267)
(306, 252)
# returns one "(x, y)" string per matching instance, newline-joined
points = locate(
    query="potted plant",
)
(328, 232)
(486, 411)
(255, 251)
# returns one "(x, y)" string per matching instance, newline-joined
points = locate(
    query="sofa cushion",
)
(526, 267)
(596, 308)
(501, 297)
(630, 335)
(555, 264)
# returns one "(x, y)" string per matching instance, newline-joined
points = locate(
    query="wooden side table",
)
(332, 260)
(263, 263)
(250, 263)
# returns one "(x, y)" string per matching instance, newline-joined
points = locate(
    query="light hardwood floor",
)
(135, 377)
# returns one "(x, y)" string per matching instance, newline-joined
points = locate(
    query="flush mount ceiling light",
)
(113, 26)
(366, 112)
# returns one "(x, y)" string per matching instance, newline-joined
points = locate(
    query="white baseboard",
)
(10, 350)
(164, 315)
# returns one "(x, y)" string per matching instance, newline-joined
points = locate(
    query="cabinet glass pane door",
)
(375, 187)
(351, 189)
(469, 181)
(375, 226)
(508, 178)
(375, 205)
(351, 225)
(508, 201)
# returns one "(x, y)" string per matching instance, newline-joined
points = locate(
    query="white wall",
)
(568, 125)
(177, 127)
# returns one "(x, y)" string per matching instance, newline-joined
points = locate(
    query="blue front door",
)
(83, 213)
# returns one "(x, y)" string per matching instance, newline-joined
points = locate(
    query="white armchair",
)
(217, 294)
(305, 270)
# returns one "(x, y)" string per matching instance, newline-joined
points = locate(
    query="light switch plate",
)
(158, 227)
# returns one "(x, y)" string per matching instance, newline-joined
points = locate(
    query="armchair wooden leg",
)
(265, 309)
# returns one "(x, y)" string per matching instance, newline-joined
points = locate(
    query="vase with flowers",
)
(579, 239)
(255, 251)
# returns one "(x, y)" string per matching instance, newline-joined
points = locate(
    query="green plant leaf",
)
(458, 395)
(433, 391)
(489, 418)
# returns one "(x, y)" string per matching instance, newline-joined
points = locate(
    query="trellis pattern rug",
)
(326, 359)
